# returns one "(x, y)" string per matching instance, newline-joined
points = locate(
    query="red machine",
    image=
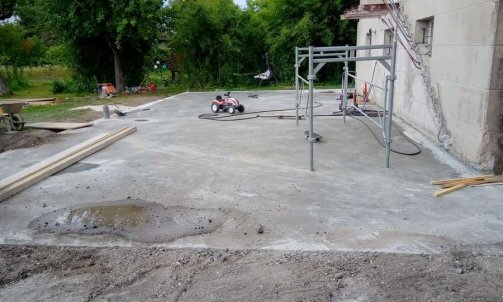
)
(228, 104)
(106, 89)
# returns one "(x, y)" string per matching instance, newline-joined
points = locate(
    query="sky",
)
(241, 3)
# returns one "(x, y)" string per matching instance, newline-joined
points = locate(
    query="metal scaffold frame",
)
(318, 57)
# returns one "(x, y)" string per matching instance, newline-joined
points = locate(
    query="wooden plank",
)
(60, 165)
(449, 190)
(488, 184)
(36, 100)
(55, 158)
(487, 180)
(58, 126)
(32, 175)
(444, 181)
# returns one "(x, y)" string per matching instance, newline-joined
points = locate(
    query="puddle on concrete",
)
(78, 167)
(136, 220)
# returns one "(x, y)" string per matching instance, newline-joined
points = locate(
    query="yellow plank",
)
(449, 190)
(444, 181)
(488, 184)
(31, 175)
(473, 182)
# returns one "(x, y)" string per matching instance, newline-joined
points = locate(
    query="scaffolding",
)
(318, 57)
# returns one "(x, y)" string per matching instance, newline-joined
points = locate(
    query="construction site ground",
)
(229, 211)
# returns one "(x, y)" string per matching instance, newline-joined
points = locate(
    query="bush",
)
(58, 87)
(14, 78)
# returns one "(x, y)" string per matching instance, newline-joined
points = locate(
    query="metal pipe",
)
(386, 95)
(390, 102)
(297, 85)
(363, 81)
(330, 54)
(311, 105)
(343, 49)
(303, 80)
(345, 89)
(366, 115)
(352, 59)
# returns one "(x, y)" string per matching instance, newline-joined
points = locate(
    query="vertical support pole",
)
(311, 77)
(392, 78)
(297, 85)
(345, 87)
(386, 95)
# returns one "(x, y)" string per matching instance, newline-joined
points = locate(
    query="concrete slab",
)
(257, 171)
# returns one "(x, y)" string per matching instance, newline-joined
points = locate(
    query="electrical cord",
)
(400, 130)
(350, 113)
(375, 113)
(235, 117)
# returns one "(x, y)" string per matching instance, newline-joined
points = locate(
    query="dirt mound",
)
(25, 139)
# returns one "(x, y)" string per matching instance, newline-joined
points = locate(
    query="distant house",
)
(449, 71)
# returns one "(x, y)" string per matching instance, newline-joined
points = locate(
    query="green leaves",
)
(104, 33)
(216, 40)
(289, 23)
(212, 38)
(7, 9)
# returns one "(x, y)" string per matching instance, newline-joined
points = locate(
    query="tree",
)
(7, 9)
(213, 41)
(290, 23)
(123, 31)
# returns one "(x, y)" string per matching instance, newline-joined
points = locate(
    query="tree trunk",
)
(119, 77)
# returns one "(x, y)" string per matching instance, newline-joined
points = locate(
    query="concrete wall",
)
(461, 70)
(493, 136)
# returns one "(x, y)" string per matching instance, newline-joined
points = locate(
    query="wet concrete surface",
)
(257, 170)
(135, 220)
(78, 167)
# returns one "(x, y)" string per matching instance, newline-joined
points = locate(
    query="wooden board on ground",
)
(455, 184)
(37, 101)
(38, 172)
(58, 126)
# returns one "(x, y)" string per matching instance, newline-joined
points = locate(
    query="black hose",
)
(400, 130)
(234, 117)
(350, 113)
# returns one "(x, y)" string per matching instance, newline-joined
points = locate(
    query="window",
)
(424, 31)
(368, 42)
(388, 40)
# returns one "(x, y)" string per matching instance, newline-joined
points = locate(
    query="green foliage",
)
(58, 86)
(60, 55)
(291, 23)
(13, 77)
(73, 85)
(16, 50)
(108, 34)
(213, 41)
(35, 20)
(7, 9)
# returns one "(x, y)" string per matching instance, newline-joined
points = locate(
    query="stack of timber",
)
(455, 184)
(25, 178)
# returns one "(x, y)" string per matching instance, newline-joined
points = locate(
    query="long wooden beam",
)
(34, 174)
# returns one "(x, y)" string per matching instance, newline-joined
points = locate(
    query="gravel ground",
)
(50, 273)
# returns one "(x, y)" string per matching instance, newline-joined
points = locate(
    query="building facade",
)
(449, 70)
